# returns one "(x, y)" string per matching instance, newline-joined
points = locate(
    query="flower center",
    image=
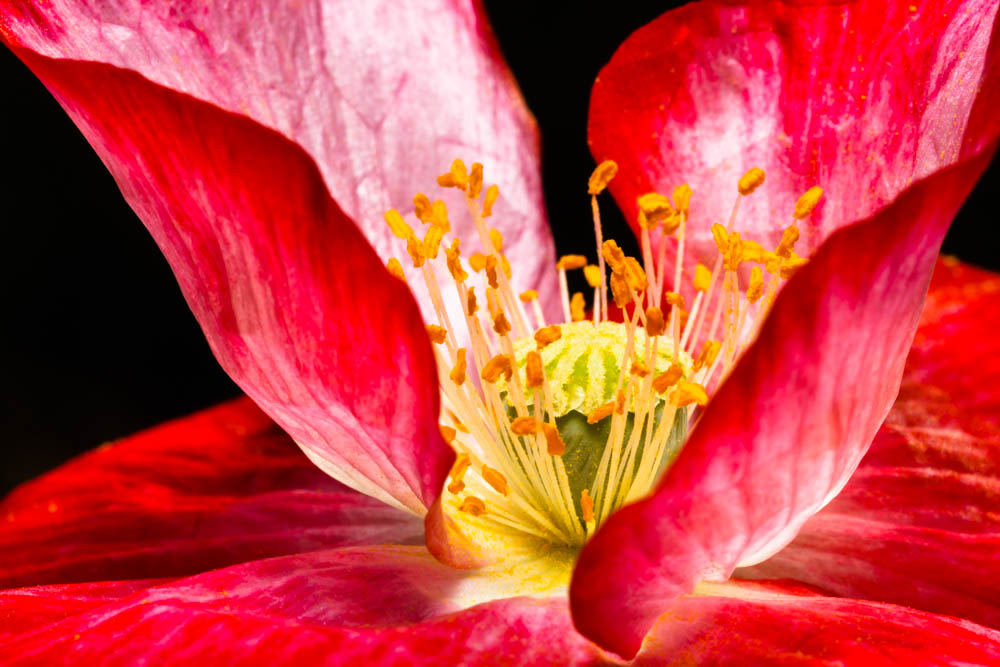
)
(556, 426)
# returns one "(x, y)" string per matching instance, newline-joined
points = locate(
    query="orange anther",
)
(495, 479)
(639, 369)
(397, 225)
(787, 243)
(497, 366)
(721, 238)
(655, 324)
(674, 299)
(682, 197)
(620, 290)
(437, 334)
(709, 351)
(534, 370)
(654, 209)
(415, 249)
(496, 238)
(620, 402)
(570, 262)
(474, 506)
(457, 373)
(524, 426)
(593, 275)
(475, 180)
(601, 176)
(528, 295)
(577, 307)
(500, 323)
(547, 335)
(807, 202)
(422, 207)
(395, 269)
(448, 433)
(586, 506)
(601, 412)
(432, 242)
(687, 393)
(471, 307)
(634, 275)
(668, 378)
(554, 443)
(751, 180)
(613, 255)
(756, 287)
(492, 193)
(702, 278)
(491, 271)
(454, 262)
(477, 261)
(456, 177)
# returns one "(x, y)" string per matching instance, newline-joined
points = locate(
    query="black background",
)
(97, 342)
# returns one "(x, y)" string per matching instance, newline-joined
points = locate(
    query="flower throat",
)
(557, 425)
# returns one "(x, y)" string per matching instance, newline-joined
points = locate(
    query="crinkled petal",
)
(383, 94)
(918, 523)
(220, 487)
(861, 98)
(739, 623)
(788, 427)
(369, 605)
(295, 304)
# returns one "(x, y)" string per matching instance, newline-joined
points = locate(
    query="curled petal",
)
(787, 428)
(220, 487)
(296, 306)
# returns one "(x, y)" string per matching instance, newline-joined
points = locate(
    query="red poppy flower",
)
(260, 147)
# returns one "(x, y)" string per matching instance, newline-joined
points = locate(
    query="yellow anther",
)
(586, 506)
(500, 323)
(687, 393)
(457, 373)
(422, 207)
(702, 278)
(471, 307)
(613, 255)
(634, 275)
(721, 238)
(528, 295)
(709, 351)
(751, 180)
(496, 238)
(754, 252)
(497, 366)
(397, 225)
(655, 324)
(668, 378)
(456, 486)
(415, 249)
(593, 275)
(671, 223)
(474, 506)
(554, 443)
(791, 265)
(734, 254)
(756, 287)
(495, 479)
(475, 180)
(682, 197)
(492, 193)
(807, 202)
(787, 243)
(437, 334)
(620, 291)
(455, 262)
(674, 299)
(524, 426)
(432, 242)
(439, 216)
(448, 433)
(547, 335)
(534, 371)
(491, 272)
(395, 269)
(655, 208)
(620, 402)
(570, 262)
(639, 369)
(456, 177)
(577, 307)
(601, 176)
(477, 261)
(601, 412)
(459, 467)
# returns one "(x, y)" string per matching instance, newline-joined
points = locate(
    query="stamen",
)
(495, 479)
(750, 181)
(524, 426)
(396, 269)
(473, 505)
(807, 202)
(495, 367)
(668, 378)
(601, 412)
(547, 335)
(554, 442)
(586, 506)
(397, 225)
(457, 373)
(687, 393)
(436, 334)
(577, 307)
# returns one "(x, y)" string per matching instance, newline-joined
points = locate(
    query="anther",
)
(593, 275)
(667, 378)
(639, 369)
(586, 506)
(791, 265)
(439, 216)
(570, 262)
(634, 275)
(457, 373)
(620, 402)
(687, 393)
(500, 323)
(674, 299)
(756, 287)
(455, 263)
(577, 307)
(613, 255)
(474, 506)
(682, 197)
(754, 252)
(471, 307)
(807, 202)
(601, 412)
(415, 249)
(456, 177)
(495, 479)
(547, 335)
(496, 238)
(620, 290)
(654, 208)
(734, 254)
(492, 193)
(432, 242)
(477, 261)
(655, 324)
(601, 176)
(524, 426)
(458, 469)
(528, 295)
(497, 366)
(709, 351)
(422, 207)
(751, 180)
(395, 268)
(437, 334)
(721, 238)
(491, 272)
(475, 180)
(787, 243)
(702, 278)
(397, 225)
(534, 370)
(554, 443)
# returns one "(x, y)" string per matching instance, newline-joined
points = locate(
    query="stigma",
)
(556, 425)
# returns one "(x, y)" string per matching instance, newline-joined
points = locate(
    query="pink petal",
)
(348, 606)
(747, 624)
(295, 304)
(789, 426)
(918, 523)
(382, 94)
(861, 98)
(220, 487)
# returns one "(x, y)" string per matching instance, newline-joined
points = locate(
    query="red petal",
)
(789, 426)
(918, 523)
(221, 487)
(776, 626)
(349, 606)
(382, 94)
(295, 304)
(861, 98)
